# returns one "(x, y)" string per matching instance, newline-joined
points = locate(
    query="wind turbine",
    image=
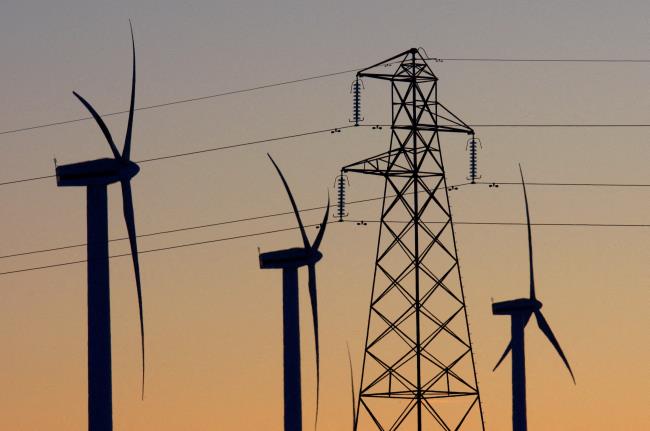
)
(96, 175)
(520, 311)
(289, 261)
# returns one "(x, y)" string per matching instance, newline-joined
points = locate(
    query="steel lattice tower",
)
(418, 366)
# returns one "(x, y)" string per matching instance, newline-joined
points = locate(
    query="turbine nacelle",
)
(516, 306)
(289, 258)
(95, 172)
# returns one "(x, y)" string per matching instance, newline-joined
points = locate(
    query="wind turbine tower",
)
(520, 312)
(418, 368)
(95, 176)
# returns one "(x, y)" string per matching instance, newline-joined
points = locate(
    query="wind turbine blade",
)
(126, 152)
(530, 237)
(354, 405)
(505, 353)
(129, 218)
(305, 240)
(314, 312)
(546, 329)
(323, 225)
(101, 124)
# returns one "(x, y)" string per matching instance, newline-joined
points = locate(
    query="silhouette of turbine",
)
(96, 175)
(520, 311)
(289, 261)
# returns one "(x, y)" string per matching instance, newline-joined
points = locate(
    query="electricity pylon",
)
(418, 368)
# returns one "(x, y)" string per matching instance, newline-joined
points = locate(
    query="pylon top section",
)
(406, 66)
(414, 87)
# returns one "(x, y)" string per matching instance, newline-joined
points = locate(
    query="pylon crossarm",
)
(453, 118)
(433, 128)
(376, 76)
(362, 72)
(377, 165)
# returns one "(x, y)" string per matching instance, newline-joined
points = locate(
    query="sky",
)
(212, 317)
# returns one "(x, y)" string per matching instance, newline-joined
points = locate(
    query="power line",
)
(260, 217)
(227, 147)
(314, 77)
(538, 125)
(25, 180)
(230, 238)
(544, 60)
(532, 60)
(153, 250)
(266, 216)
(187, 228)
(162, 232)
(503, 223)
(550, 184)
(206, 150)
(315, 132)
(563, 125)
(180, 101)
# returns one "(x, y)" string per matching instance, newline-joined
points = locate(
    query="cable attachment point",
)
(472, 145)
(425, 56)
(355, 89)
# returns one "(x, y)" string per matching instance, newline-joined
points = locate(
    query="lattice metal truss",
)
(418, 365)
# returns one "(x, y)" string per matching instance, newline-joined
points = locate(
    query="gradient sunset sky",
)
(212, 317)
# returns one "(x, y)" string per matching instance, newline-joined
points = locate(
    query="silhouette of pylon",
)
(418, 367)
